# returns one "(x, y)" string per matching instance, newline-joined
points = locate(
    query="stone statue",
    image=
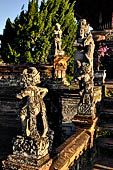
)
(83, 67)
(35, 103)
(58, 40)
(85, 47)
(32, 143)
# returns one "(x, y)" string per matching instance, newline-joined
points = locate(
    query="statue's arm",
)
(23, 93)
(76, 44)
(43, 92)
(89, 40)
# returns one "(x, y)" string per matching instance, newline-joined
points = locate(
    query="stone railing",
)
(68, 155)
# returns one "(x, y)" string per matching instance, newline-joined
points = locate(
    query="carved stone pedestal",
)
(60, 67)
(27, 152)
(20, 162)
(29, 147)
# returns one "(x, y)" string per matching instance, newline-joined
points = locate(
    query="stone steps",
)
(106, 115)
(107, 111)
(107, 103)
(106, 126)
(105, 143)
(102, 163)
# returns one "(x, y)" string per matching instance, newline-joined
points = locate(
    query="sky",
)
(11, 9)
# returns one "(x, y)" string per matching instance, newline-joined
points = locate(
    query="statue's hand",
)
(79, 78)
(19, 96)
(45, 133)
(81, 45)
(44, 92)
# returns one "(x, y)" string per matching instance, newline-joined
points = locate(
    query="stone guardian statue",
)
(32, 143)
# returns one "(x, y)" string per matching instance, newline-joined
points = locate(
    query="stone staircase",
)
(105, 124)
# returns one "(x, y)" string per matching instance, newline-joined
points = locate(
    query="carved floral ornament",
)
(109, 36)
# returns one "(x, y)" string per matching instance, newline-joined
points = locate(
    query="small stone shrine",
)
(60, 60)
(83, 72)
(31, 145)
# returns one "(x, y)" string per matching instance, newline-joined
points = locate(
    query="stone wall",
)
(9, 86)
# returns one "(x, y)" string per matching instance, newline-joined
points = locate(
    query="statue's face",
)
(83, 22)
(57, 26)
(82, 33)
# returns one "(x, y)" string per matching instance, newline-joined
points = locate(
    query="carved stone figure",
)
(58, 40)
(83, 67)
(32, 143)
(35, 103)
(85, 46)
(59, 58)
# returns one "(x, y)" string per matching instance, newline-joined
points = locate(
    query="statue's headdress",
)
(31, 76)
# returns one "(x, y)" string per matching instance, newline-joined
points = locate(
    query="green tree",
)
(30, 37)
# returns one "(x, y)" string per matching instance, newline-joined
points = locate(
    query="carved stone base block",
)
(83, 121)
(68, 105)
(30, 153)
(20, 162)
(27, 153)
(29, 147)
(60, 67)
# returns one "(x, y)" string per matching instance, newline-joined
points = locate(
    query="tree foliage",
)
(30, 37)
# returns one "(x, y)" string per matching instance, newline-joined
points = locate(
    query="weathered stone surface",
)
(106, 143)
(71, 150)
(68, 104)
(25, 163)
(83, 73)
